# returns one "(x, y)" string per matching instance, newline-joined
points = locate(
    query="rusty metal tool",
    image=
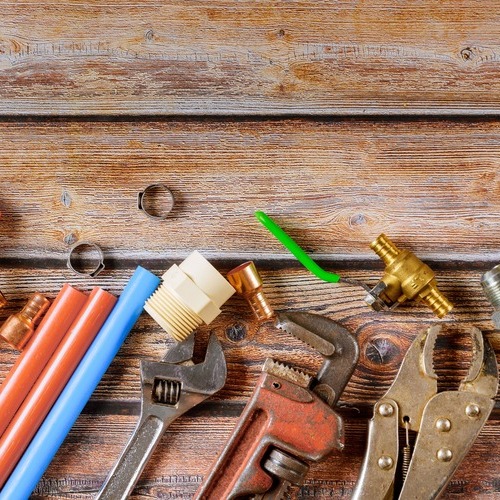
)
(447, 423)
(169, 389)
(289, 420)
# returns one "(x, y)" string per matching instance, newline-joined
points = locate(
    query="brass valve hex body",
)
(19, 328)
(406, 277)
(247, 282)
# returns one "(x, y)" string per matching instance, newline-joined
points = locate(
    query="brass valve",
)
(19, 328)
(247, 282)
(406, 277)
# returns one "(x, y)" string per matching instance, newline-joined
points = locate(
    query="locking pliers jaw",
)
(447, 423)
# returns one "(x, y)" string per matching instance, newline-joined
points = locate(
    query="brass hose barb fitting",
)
(18, 328)
(490, 281)
(406, 277)
(247, 282)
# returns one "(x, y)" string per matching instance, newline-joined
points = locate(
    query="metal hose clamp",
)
(99, 263)
(170, 201)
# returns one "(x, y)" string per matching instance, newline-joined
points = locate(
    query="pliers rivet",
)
(444, 454)
(386, 410)
(385, 462)
(472, 410)
(443, 425)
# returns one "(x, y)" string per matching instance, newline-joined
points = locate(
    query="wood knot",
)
(66, 198)
(381, 351)
(281, 33)
(357, 220)
(149, 35)
(70, 239)
(466, 54)
(236, 332)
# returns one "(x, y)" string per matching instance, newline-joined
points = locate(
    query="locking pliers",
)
(169, 389)
(447, 423)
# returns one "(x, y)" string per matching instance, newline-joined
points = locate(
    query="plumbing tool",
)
(289, 419)
(447, 423)
(169, 389)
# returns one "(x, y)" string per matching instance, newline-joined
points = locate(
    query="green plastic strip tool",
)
(295, 249)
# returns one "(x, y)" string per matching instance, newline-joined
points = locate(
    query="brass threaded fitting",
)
(385, 249)
(247, 282)
(18, 328)
(434, 299)
(406, 277)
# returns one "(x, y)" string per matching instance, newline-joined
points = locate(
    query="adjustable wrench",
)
(289, 420)
(169, 389)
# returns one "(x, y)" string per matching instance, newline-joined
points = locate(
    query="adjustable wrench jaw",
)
(280, 415)
(170, 388)
(168, 391)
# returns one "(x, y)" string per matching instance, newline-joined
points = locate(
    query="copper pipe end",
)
(247, 281)
(19, 328)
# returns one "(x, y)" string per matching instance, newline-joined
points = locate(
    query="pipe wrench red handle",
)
(285, 415)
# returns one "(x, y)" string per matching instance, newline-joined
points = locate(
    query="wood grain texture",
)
(433, 187)
(250, 57)
(178, 465)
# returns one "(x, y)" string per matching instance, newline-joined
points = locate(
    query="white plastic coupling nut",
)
(191, 294)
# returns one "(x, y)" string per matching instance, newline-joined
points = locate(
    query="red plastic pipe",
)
(38, 351)
(53, 379)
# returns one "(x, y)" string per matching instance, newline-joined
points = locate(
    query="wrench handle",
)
(123, 478)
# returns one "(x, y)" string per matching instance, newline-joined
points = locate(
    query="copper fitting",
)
(19, 328)
(247, 281)
(406, 277)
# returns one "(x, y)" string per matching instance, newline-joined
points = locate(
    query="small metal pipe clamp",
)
(99, 262)
(169, 199)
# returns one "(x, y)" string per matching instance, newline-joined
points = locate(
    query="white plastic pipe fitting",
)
(191, 294)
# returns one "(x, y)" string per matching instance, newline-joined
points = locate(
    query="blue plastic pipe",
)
(80, 387)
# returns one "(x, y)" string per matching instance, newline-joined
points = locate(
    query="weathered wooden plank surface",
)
(250, 57)
(180, 462)
(433, 187)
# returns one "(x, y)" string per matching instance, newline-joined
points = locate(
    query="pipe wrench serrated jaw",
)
(289, 420)
(337, 346)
